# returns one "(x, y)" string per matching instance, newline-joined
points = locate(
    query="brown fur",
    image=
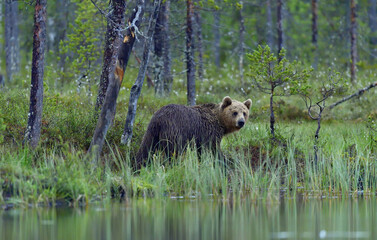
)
(173, 126)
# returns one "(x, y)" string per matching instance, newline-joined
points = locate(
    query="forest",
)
(81, 79)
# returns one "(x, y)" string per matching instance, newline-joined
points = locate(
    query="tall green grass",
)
(58, 171)
(346, 167)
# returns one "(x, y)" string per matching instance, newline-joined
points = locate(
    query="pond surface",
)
(197, 219)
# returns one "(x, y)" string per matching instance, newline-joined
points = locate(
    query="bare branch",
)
(118, 27)
(100, 10)
(310, 114)
(356, 94)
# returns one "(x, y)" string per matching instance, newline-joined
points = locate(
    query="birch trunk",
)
(136, 88)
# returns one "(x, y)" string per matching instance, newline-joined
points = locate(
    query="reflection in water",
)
(197, 219)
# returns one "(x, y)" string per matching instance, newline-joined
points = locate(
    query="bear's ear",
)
(226, 102)
(248, 103)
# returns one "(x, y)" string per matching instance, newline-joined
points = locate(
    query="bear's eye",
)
(235, 114)
(244, 114)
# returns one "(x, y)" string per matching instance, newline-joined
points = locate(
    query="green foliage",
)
(331, 82)
(212, 4)
(239, 6)
(268, 72)
(84, 45)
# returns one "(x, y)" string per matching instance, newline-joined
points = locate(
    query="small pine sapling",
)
(273, 75)
(315, 99)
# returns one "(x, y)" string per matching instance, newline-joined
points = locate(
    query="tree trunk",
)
(270, 35)
(315, 32)
(242, 42)
(198, 20)
(12, 49)
(167, 76)
(372, 17)
(316, 138)
(33, 130)
(136, 88)
(191, 99)
(117, 66)
(158, 39)
(272, 114)
(217, 37)
(280, 25)
(61, 29)
(353, 41)
(116, 76)
(149, 79)
(111, 50)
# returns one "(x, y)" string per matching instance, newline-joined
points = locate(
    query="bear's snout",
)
(240, 123)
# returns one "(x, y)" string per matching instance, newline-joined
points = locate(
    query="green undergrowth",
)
(254, 167)
(58, 171)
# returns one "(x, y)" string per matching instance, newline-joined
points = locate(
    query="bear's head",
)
(233, 114)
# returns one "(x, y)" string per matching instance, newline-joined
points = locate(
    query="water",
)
(197, 219)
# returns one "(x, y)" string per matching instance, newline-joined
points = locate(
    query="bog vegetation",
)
(280, 151)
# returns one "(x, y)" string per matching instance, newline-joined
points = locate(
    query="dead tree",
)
(33, 130)
(136, 88)
(190, 60)
(316, 108)
(118, 66)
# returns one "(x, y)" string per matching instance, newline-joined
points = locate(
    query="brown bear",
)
(173, 126)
